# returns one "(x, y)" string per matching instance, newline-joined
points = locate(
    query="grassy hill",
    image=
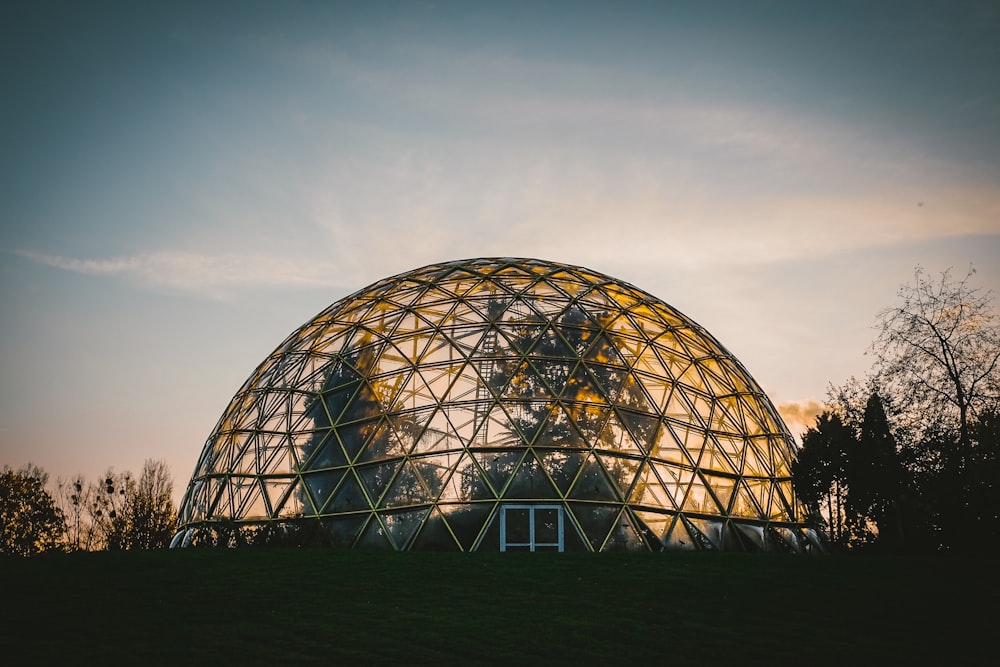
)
(299, 606)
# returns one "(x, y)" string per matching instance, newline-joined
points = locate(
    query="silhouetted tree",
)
(149, 511)
(819, 474)
(30, 522)
(126, 513)
(958, 488)
(74, 497)
(875, 478)
(107, 510)
(921, 472)
(937, 353)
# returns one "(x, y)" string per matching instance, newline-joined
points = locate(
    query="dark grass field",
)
(312, 606)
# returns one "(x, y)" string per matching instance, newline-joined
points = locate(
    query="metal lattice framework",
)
(412, 413)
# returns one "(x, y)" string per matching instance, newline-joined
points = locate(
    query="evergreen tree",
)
(30, 522)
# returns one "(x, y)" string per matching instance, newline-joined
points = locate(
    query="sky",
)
(184, 184)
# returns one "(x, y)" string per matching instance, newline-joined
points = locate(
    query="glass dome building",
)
(499, 404)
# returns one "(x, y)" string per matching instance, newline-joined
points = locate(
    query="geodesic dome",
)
(498, 404)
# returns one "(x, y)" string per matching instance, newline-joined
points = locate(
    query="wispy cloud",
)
(800, 416)
(539, 157)
(211, 276)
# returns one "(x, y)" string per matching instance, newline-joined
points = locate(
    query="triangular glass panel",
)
(655, 391)
(592, 483)
(464, 482)
(595, 520)
(435, 534)
(781, 457)
(530, 482)
(242, 489)
(407, 488)
(521, 334)
(321, 485)
(379, 442)
(679, 410)
(733, 447)
(495, 429)
(439, 350)
(715, 379)
(527, 418)
(607, 379)
(275, 490)
(640, 431)
(439, 426)
(626, 536)
(698, 499)
(648, 491)
(254, 506)
(352, 437)
(755, 463)
(781, 508)
(409, 324)
(393, 360)
(706, 532)
(554, 429)
(498, 466)
(279, 459)
(464, 383)
(582, 387)
(675, 481)
(552, 375)
(714, 458)
(402, 525)
(465, 419)
(376, 479)
(217, 498)
(696, 345)
(244, 460)
(552, 344)
(673, 357)
(374, 536)
(567, 283)
(562, 467)
(304, 419)
(674, 442)
(655, 523)
(293, 503)
(745, 504)
(434, 471)
(752, 417)
(401, 433)
(621, 471)
(679, 538)
(320, 449)
(285, 373)
(413, 426)
(349, 496)
(464, 318)
(648, 363)
(334, 402)
(468, 521)
(726, 416)
(701, 405)
(722, 488)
